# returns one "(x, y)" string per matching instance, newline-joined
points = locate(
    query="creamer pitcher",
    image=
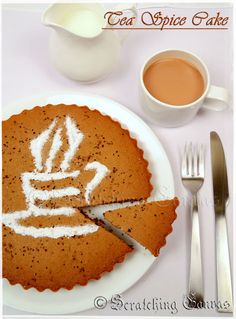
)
(79, 46)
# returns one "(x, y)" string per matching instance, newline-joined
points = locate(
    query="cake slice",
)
(148, 223)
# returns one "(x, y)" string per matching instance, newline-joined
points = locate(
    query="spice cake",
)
(57, 159)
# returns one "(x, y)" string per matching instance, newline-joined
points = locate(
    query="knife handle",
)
(195, 274)
(224, 286)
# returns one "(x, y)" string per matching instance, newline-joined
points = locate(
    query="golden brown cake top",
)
(63, 262)
(147, 223)
(84, 150)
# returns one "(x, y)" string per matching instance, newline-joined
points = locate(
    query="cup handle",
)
(217, 99)
(126, 7)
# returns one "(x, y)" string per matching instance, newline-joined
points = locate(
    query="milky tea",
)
(174, 81)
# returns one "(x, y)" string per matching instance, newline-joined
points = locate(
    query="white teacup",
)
(213, 97)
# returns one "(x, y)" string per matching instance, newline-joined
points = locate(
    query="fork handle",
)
(195, 274)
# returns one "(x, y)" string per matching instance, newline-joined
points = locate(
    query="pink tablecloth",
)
(27, 71)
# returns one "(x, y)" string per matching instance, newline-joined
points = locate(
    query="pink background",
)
(27, 71)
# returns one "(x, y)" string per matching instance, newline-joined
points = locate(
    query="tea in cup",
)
(174, 85)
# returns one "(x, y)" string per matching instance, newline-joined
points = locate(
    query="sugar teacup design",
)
(43, 173)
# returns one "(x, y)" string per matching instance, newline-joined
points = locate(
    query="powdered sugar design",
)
(56, 145)
(36, 146)
(32, 194)
(11, 220)
(101, 172)
(75, 137)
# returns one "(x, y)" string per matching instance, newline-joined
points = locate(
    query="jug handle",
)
(126, 7)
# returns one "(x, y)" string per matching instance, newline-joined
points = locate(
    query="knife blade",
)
(221, 196)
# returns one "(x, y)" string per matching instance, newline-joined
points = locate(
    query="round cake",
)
(58, 159)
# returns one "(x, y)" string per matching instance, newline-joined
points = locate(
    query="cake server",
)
(221, 196)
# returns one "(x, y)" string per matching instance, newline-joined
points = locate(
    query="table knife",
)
(221, 196)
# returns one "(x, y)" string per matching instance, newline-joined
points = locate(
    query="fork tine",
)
(195, 160)
(201, 160)
(185, 161)
(190, 159)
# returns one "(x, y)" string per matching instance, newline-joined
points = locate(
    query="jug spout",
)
(53, 16)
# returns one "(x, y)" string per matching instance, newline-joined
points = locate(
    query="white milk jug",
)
(79, 46)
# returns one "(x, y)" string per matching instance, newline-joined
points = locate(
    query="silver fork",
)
(193, 178)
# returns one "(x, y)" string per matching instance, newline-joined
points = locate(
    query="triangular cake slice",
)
(63, 262)
(148, 223)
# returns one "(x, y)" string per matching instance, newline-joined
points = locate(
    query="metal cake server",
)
(221, 196)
